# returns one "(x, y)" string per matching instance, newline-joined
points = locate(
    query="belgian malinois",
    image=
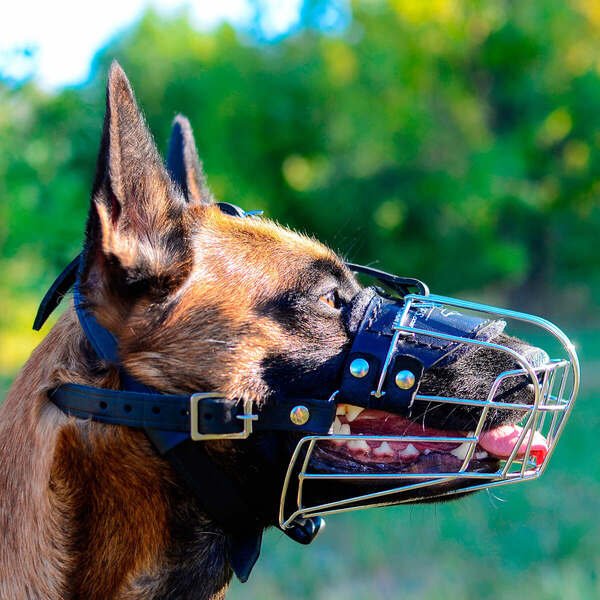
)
(198, 300)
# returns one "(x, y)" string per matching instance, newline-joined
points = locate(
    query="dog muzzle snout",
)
(398, 339)
(388, 357)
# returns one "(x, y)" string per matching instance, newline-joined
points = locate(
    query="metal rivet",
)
(359, 367)
(405, 379)
(299, 415)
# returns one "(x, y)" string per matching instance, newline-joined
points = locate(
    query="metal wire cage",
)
(555, 386)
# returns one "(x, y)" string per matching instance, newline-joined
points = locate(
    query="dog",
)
(199, 300)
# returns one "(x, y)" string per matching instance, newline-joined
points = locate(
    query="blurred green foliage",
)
(452, 140)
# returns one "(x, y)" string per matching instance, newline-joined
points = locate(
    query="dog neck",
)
(92, 511)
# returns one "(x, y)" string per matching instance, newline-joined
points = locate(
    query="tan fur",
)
(53, 469)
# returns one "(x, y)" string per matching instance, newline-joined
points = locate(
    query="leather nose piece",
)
(355, 311)
(536, 357)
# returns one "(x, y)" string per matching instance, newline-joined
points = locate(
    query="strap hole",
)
(127, 408)
(155, 410)
(103, 405)
(184, 412)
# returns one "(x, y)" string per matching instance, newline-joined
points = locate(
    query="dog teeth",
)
(461, 451)
(344, 429)
(359, 445)
(410, 450)
(384, 449)
(481, 455)
(352, 412)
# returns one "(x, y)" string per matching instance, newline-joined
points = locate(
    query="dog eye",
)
(332, 299)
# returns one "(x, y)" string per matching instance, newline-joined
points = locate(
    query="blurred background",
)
(451, 140)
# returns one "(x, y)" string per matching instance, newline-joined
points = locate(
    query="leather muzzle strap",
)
(412, 352)
(170, 413)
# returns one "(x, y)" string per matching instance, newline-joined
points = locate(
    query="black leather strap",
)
(64, 282)
(223, 501)
(167, 412)
(231, 209)
(119, 407)
(401, 285)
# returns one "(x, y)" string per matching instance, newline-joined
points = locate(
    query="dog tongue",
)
(500, 442)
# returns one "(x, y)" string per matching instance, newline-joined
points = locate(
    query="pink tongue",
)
(500, 442)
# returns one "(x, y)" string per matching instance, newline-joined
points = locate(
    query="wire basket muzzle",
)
(554, 384)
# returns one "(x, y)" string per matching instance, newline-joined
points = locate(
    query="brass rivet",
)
(405, 379)
(359, 367)
(299, 415)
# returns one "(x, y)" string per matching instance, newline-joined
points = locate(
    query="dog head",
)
(203, 301)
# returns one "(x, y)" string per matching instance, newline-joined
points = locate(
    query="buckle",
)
(246, 419)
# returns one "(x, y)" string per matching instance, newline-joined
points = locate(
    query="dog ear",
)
(135, 236)
(183, 163)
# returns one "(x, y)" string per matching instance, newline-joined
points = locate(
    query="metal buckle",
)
(246, 418)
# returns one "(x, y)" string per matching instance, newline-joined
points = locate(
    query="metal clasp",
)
(246, 418)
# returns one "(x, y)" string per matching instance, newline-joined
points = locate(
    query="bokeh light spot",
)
(389, 214)
(576, 155)
(556, 127)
